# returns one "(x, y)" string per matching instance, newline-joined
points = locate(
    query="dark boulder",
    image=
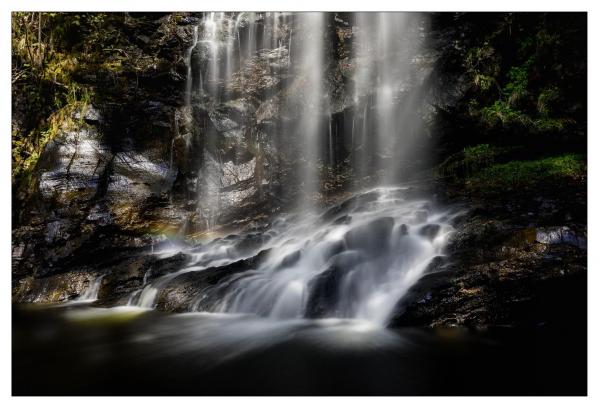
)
(324, 293)
(372, 237)
(430, 231)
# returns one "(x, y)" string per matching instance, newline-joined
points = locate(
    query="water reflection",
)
(81, 350)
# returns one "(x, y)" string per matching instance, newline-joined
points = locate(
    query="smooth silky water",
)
(82, 350)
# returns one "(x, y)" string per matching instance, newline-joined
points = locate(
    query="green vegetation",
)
(522, 122)
(482, 64)
(526, 73)
(491, 168)
(503, 113)
(44, 62)
(61, 62)
(26, 151)
(470, 160)
(519, 174)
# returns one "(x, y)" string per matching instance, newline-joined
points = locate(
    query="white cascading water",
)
(214, 40)
(90, 294)
(355, 259)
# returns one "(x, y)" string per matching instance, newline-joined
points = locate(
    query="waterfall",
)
(223, 46)
(355, 259)
(216, 35)
(90, 294)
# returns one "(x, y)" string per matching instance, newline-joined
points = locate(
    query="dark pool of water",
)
(81, 350)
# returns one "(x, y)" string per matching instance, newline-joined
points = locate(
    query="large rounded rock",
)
(373, 237)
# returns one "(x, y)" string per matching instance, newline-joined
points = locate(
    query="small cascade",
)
(134, 298)
(147, 297)
(90, 294)
(353, 260)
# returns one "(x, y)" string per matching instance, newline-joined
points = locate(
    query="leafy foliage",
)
(525, 72)
(44, 60)
(470, 160)
(502, 112)
(52, 55)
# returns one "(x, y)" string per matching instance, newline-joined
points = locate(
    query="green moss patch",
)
(518, 174)
(471, 160)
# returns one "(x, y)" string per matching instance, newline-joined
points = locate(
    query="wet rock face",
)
(561, 235)
(263, 73)
(59, 288)
(136, 175)
(324, 293)
(430, 231)
(182, 294)
(73, 163)
(121, 274)
(534, 286)
(79, 163)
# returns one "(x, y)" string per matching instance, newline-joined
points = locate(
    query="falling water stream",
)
(90, 294)
(359, 263)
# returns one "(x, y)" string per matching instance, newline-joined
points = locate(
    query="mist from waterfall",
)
(390, 85)
(310, 56)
